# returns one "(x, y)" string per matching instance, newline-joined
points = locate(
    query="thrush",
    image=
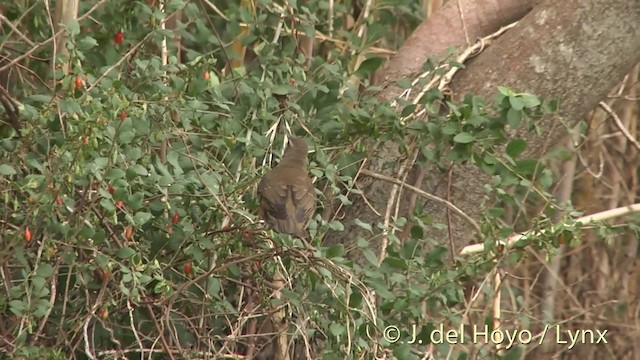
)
(287, 197)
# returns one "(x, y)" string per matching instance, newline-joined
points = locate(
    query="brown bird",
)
(287, 197)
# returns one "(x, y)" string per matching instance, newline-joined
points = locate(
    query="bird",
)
(286, 192)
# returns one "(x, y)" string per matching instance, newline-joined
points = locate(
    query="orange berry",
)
(119, 203)
(79, 82)
(206, 75)
(27, 235)
(104, 314)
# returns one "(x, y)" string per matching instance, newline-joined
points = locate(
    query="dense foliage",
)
(128, 194)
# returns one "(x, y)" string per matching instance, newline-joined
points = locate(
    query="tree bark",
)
(447, 29)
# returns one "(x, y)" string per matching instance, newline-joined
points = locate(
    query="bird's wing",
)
(304, 198)
(273, 198)
(287, 206)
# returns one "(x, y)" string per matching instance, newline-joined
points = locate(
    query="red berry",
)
(119, 37)
(27, 235)
(79, 82)
(119, 203)
(111, 190)
(188, 269)
(246, 234)
(59, 201)
(123, 115)
(85, 140)
(175, 218)
(226, 228)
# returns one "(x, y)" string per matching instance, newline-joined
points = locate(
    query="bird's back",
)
(287, 199)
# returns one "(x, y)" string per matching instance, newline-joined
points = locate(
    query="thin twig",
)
(604, 215)
(427, 196)
(619, 124)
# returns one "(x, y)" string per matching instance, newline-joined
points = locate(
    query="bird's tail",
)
(290, 226)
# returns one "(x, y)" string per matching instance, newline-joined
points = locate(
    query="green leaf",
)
(514, 117)
(73, 27)
(213, 79)
(45, 270)
(141, 218)
(363, 225)
(395, 262)
(125, 253)
(449, 128)
(337, 329)
(516, 103)
(213, 287)
(344, 200)
(530, 101)
(107, 204)
(516, 147)
(526, 167)
(17, 307)
(368, 66)
(38, 284)
(417, 232)
(114, 174)
(283, 90)
(404, 84)
(87, 43)
(370, 256)
(336, 225)
(40, 98)
(463, 138)
(69, 106)
(546, 179)
(408, 110)
(135, 200)
(355, 299)
(7, 170)
(335, 251)
(41, 308)
(135, 171)
(35, 181)
(126, 137)
(506, 91)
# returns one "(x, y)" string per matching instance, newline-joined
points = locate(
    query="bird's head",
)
(296, 152)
